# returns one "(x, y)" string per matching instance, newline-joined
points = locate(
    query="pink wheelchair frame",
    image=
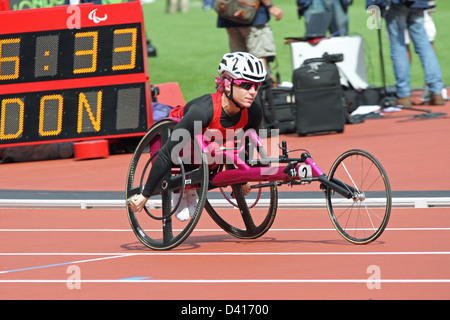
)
(357, 190)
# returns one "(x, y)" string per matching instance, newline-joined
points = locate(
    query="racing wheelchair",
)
(356, 189)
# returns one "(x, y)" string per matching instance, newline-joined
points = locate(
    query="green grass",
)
(189, 46)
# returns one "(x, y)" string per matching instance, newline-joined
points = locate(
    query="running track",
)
(75, 253)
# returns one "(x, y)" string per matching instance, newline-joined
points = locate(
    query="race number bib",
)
(305, 171)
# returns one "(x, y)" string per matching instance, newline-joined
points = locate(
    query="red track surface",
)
(301, 257)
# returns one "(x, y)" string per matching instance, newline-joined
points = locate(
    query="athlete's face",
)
(244, 92)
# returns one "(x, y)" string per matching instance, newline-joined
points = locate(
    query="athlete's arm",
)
(196, 117)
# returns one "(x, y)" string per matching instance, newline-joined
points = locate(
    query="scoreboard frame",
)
(73, 73)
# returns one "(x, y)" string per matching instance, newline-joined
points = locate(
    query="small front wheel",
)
(363, 218)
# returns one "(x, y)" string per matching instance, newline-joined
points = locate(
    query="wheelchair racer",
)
(233, 106)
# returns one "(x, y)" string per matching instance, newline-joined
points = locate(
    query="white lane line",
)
(109, 256)
(397, 202)
(176, 281)
(214, 229)
(62, 264)
(151, 253)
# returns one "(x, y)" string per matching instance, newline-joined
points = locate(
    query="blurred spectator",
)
(408, 15)
(177, 5)
(208, 4)
(338, 9)
(430, 28)
(256, 38)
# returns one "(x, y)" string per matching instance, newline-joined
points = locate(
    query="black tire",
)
(250, 229)
(155, 226)
(362, 219)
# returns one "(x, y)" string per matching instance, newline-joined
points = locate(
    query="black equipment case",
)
(285, 109)
(319, 96)
(278, 108)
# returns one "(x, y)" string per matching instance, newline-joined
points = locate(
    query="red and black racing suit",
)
(208, 110)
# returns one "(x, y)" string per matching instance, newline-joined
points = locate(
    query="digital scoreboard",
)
(73, 73)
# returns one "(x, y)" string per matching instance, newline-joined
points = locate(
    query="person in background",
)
(408, 15)
(208, 5)
(256, 38)
(338, 8)
(430, 28)
(177, 5)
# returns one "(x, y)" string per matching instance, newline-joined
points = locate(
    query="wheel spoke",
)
(167, 231)
(243, 208)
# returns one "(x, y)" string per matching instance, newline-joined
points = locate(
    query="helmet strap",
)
(230, 96)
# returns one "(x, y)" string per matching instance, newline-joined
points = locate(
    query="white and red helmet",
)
(242, 65)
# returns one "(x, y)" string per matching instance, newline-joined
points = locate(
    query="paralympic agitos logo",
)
(74, 20)
(93, 16)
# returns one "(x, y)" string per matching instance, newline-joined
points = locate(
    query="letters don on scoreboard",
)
(74, 84)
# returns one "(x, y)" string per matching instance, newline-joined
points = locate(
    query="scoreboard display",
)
(73, 73)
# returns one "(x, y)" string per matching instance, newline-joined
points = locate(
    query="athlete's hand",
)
(137, 203)
(246, 188)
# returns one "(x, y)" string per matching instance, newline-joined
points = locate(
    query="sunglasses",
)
(247, 85)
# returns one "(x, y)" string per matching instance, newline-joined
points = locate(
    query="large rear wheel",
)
(156, 226)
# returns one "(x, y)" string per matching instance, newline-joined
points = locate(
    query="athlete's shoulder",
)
(206, 98)
(200, 108)
(203, 102)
